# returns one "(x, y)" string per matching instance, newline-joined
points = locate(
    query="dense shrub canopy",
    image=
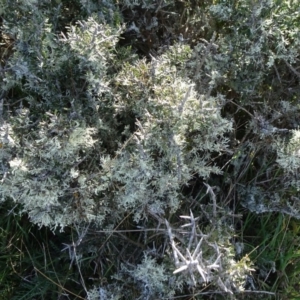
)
(122, 116)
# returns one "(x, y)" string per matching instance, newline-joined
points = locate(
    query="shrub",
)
(121, 114)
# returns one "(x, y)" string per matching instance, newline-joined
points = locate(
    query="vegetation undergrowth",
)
(149, 149)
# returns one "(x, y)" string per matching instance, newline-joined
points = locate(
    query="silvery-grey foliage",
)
(204, 261)
(95, 133)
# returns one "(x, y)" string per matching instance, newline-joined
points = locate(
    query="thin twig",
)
(292, 69)
(213, 198)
